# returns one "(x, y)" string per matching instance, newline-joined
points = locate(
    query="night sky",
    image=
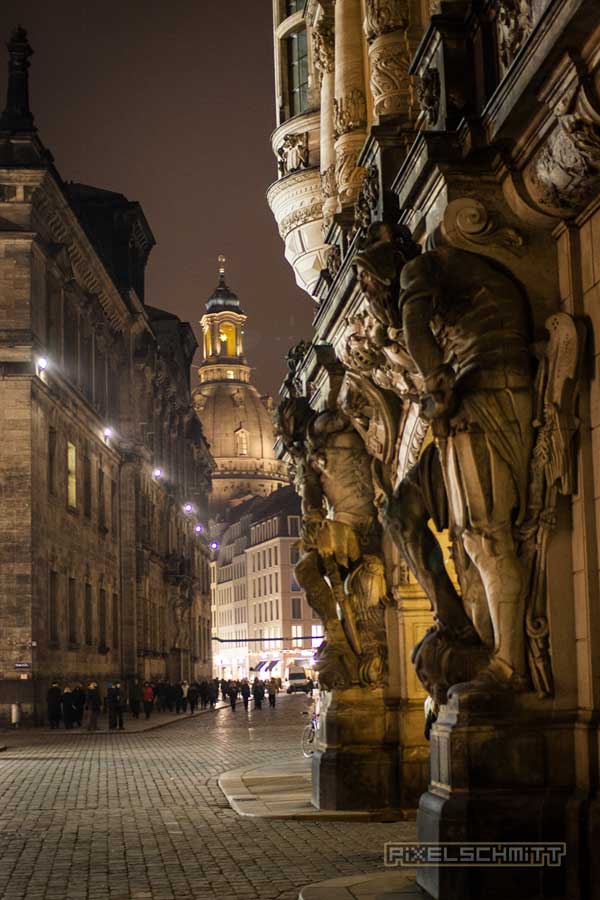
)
(171, 102)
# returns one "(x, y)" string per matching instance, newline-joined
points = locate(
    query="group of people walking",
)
(230, 690)
(72, 704)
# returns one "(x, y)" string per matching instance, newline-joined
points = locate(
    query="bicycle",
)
(309, 733)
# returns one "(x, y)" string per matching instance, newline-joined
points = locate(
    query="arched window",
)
(241, 442)
(227, 339)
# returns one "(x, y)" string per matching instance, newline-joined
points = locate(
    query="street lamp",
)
(42, 363)
(157, 473)
(214, 545)
(187, 507)
(198, 528)
(108, 432)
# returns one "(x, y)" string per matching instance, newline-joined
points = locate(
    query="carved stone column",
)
(349, 104)
(387, 24)
(323, 39)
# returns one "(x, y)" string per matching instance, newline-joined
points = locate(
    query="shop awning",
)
(260, 665)
(272, 664)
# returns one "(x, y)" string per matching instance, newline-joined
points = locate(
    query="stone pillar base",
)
(502, 771)
(357, 764)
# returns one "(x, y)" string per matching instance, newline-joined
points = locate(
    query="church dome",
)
(236, 420)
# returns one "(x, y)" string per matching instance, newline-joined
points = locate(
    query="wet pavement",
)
(141, 815)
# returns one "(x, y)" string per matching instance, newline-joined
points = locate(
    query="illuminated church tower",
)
(237, 421)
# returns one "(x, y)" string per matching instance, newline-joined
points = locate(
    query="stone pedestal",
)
(503, 771)
(355, 763)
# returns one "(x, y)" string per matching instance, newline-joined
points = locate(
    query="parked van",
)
(298, 680)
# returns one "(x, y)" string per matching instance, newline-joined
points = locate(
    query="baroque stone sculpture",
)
(341, 567)
(450, 330)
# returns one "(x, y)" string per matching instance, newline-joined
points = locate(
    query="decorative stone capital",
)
(323, 47)
(384, 16)
(391, 85)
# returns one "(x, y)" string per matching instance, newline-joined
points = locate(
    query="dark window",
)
(101, 501)
(72, 611)
(297, 72)
(113, 507)
(86, 364)
(115, 620)
(52, 461)
(100, 381)
(53, 316)
(294, 585)
(53, 608)
(294, 526)
(71, 341)
(87, 487)
(88, 614)
(292, 6)
(296, 607)
(294, 554)
(102, 617)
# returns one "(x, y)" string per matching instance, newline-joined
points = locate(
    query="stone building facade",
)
(237, 421)
(102, 571)
(448, 190)
(262, 622)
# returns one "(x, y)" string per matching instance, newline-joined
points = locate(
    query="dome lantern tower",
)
(236, 419)
(223, 335)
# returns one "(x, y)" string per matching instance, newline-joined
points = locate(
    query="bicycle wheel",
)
(308, 738)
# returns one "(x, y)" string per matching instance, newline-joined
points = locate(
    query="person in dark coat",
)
(78, 703)
(258, 692)
(178, 698)
(53, 702)
(171, 696)
(114, 702)
(93, 705)
(193, 694)
(203, 690)
(245, 692)
(135, 697)
(68, 712)
(212, 692)
(224, 688)
(233, 693)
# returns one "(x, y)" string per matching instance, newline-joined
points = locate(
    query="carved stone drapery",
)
(349, 112)
(386, 28)
(565, 173)
(428, 95)
(514, 23)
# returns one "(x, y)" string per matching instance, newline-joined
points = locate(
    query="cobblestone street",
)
(142, 816)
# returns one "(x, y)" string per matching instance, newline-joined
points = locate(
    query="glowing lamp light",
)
(187, 507)
(199, 528)
(214, 545)
(42, 363)
(157, 473)
(108, 432)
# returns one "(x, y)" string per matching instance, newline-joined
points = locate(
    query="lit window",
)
(71, 476)
(296, 635)
(230, 374)
(317, 635)
(227, 340)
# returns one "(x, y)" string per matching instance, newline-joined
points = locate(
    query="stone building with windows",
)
(438, 180)
(262, 622)
(236, 420)
(104, 469)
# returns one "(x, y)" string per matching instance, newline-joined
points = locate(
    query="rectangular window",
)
(294, 526)
(114, 509)
(260, 612)
(270, 584)
(317, 635)
(71, 340)
(87, 487)
(292, 6)
(296, 607)
(264, 559)
(297, 57)
(72, 610)
(294, 584)
(294, 554)
(271, 610)
(276, 582)
(52, 461)
(88, 614)
(101, 501)
(270, 558)
(53, 608)
(115, 620)
(276, 608)
(102, 617)
(71, 475)
(296, 635)
(275, 556)
(255, 615)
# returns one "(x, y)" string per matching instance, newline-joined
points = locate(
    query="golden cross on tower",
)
(221, 260)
